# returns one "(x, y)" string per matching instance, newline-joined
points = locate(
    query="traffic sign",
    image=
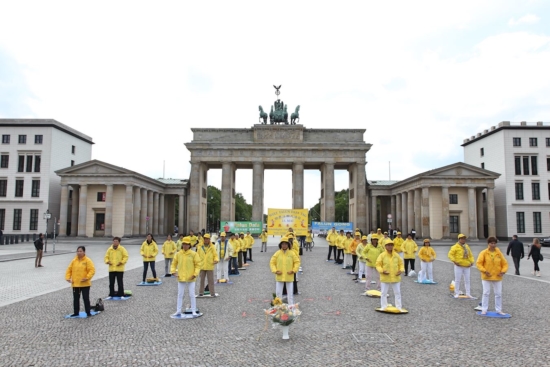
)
(389, 220)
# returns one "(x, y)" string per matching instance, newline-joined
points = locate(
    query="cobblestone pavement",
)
(338, 327)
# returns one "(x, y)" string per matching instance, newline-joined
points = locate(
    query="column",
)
(392, 209)
(137, 209)
(181, 211)
(398, 223)
(82, 207)
(374, 212)
(491, 221)
(63, 210)
(298, 185)
(328, 214)
(149, 223)
(257, 191)
(155, 219)
(109, 211)
(361, 197)
(128, 210)
(479, 206)
(418, 212)
(227, 192)
(425, 222)
(143, 214)
(405, 228)
(472, 226)
(74, 211)
(445, 212)
(161, 216)
(410, 211)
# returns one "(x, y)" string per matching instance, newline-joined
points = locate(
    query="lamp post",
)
(47, 216)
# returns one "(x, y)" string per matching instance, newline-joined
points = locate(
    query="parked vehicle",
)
(545, 242)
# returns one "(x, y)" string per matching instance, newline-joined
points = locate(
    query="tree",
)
(243, 211)
(341, 208)
(213, 207)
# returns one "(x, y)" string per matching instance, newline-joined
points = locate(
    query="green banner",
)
(238, 227)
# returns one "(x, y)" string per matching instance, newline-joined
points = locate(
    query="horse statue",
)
(263, 116)
(295, 117)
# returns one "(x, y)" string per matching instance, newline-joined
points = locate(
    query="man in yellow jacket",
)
(461, 255)
(149, 251)
(331, 239)
(235, 248)
(390, 266)
(187, 264)
(242, 250)
(371, 253)
(249, 244)
(397, 244)
(346, 244)
(284, 264)
(209, 258)
(263, 238)
(409, 249)
(116, 257)
(224, 251)
(492, 265)
(340, 244)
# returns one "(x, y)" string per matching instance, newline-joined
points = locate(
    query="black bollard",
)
(11, 239)
(16, 239)
(33, 237)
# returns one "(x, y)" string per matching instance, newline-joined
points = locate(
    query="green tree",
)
(213, 208)
(341, 208)
(314, 214)
(243, 211)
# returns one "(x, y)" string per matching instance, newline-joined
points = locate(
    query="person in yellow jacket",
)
(346, 244)
(409, 252)
(492, 265)
(397, 244)
(263, 238)
(340, 244)
(79, 274)
(390, 266)
(461, 255)
(427, 257)
(242, 250)
(382, 240)
(186, 266)
(249, 244)
(149, 252)
(199, 242)
(116, 257)
(371, 253)
(194, 239)
(209, 259)
(359, 251)
(224, 251)
(309, 240)
(378, 235)
(235, 248)
(331, 239)
(178, 242)
(352, 250)
(284, 264)
(169, 249)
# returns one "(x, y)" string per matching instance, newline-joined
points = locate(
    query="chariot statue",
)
(279, 112)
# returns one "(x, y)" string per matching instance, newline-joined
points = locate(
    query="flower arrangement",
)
(281, 313)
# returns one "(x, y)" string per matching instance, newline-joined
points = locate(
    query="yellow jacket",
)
(208, 255)
(409, 249)
(331, 238)
(456, 255)
(371, 253)
(149, 250)
(382, 241)
(242, 244)
(391, 263)
(427, 254)
(284, 261)
(359, 251)
(263, 237)
(194, 239)
(236, 246)
(224, 250)
(250, 241)
(493, 262)
(178, 245)
(309, 237)
(115, 257)
(188, 264)
(296, 248)
(169, 249)
(353, 246)
(397, 243)
(340, 242)
(80, 269)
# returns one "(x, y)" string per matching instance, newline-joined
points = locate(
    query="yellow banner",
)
(280, 220)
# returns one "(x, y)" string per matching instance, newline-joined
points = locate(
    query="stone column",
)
(227, 192)
(82, 209)
(445, 212)
(155, 219)
(472, 226)
(128, 210)
(425, 222)
(405, 229)
(109, 211)
(418, 212)
(392, 209)
(63, 210)
(398, 223)
(181, 215)
(150, 211)
(137, 209)
(257, 191)
(329, 210)
(298, 185)
(142, 219)
(374, 212)
(479, 206)
(410, 211)
(74, 211)
(161, 216)
(491, 221)
(361, 197)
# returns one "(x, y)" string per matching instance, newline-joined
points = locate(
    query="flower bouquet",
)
(282, 314)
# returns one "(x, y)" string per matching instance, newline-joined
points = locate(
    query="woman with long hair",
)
(534, 252)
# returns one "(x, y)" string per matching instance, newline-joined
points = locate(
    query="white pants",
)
(459, 273)
(264, 246)
(372, 274)
(361, 270)
(497, 289)
(181, 293)
(221, 270)
(401, 254)
(346, 260)
(289, 291)
(396, 292)
(427, 270)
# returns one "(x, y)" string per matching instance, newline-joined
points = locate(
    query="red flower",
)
(284, 317)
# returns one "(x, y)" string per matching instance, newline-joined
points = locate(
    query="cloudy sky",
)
(420, 76)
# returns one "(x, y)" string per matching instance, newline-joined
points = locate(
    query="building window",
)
(73, 149)
(481, 152)
(533, 142)
(37, 161)
(22, 139)
(5, 161)
(517, 162)
(72, 163)
(5, 139)
(517, 142)
(548, 164)
(35, 191)
(453, 198)
(548, 142)
(17, 214)
(100, 196)
(534, 165)
(519, 190)
(484, 196)
(482, 165)
(34, 220)
(520, 222)
(2, 218)
(19, 188)
(526, 166)
(21, 164)
(535, 189)
(4, 187)
(453, 224)
(70, 194)
(38, 139)
(29, 163)
(537, 226)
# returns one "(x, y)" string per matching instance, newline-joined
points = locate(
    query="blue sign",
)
(324, 227)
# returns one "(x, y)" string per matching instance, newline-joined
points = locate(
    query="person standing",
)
(309, 240)
(371, 253)
(284, 264)
(397, 244)
(331, 239)
(534, 252)
(390, 267)
(409, 250)
(346, 244)
(233, 263)
(427, 256)
(116, 257)
(413, 233)
(353, 250)
(492, 265)
(242, 250)
(39, 246)
(263, 238)
(461, 255)
(516, 247)
(149, 251)
(223, 249)
(340, 244)
(168, 250)
(209, 258)
(79, 274)
(186, 266)
(359, 253)
(249, 244)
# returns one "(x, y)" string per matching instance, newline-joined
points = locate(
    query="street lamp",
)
(47, 216)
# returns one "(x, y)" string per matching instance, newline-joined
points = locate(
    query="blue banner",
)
(324, 227)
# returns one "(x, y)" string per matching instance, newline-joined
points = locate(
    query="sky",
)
(136, 76)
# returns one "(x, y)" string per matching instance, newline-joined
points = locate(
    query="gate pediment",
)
(278, 134)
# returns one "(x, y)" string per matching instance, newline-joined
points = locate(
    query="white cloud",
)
(526, 19)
